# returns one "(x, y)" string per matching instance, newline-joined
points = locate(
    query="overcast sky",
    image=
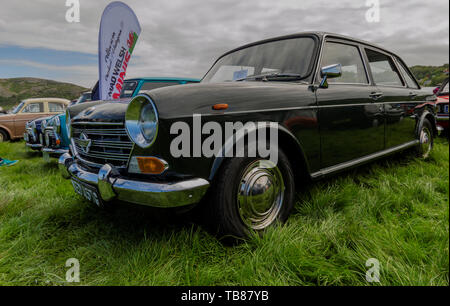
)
(183, 38)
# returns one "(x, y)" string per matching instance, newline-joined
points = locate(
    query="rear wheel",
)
(251, 194)
(426, 140)
(3, 136)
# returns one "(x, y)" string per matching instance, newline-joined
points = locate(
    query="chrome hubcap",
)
(425, 142)
(260, 194)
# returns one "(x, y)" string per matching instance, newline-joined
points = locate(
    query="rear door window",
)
(384, 71)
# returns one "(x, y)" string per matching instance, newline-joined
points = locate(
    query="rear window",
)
(153, 85)
(128, 89)
(55, 107)
(407, 76)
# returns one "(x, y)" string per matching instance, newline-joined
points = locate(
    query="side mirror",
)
(330, 72)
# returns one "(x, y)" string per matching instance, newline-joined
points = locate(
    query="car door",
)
(399, 100)
(30, 112)
(351, 121)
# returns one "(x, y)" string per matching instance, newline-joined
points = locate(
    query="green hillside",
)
(430, 75)
(12, 91)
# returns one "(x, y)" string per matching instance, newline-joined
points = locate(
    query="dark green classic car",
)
(323, 102)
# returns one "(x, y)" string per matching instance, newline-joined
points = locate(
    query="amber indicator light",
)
(151, 165)
(220, 106)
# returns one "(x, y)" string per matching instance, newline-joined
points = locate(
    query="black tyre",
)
(3, 136)
(250, 194)
(426, 139)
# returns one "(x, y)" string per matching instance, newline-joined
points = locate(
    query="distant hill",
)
(12, 91)
(430, 75)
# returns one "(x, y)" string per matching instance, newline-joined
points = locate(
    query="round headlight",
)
(141, 121)
(68, 127)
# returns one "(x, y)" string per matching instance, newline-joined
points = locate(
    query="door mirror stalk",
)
(329, 72)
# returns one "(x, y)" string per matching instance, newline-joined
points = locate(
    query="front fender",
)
(3, 127)
(286, 140)
(431, 117)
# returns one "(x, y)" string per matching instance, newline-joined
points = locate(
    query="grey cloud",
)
(183, 38)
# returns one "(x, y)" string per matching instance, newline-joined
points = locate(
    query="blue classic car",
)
(56, 140)
(33, 133)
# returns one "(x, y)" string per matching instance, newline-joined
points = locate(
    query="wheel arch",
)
(427, 114)
(290, 145)
(6, 130)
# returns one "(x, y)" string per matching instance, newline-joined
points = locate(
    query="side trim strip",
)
(362, 160)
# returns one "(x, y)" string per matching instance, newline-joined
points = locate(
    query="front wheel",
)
(426, 140)
(3, 136)
(251, 194)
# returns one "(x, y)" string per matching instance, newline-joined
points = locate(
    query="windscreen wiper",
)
(273, 76)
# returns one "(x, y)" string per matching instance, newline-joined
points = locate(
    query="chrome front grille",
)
(99, 144)
(50, 138)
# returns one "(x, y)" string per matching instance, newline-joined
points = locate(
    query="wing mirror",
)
(330, 72)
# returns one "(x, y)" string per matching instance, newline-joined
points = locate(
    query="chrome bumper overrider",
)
(111, 186)
(34, 146)
(51, 151)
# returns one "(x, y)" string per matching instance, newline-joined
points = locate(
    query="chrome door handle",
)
(412, 94)
(376, 95)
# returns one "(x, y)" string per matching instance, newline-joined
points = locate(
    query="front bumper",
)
(34, 146)
(112, 186)
(55, 152)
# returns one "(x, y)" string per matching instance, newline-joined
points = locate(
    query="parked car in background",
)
(12, 125)
(133, 87)
(442, 117)
(85, 96)
(334, 103)
(33, 133)
(56, 140)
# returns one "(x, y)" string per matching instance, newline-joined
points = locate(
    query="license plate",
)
(46, 157)
(88, 192)
(446, 109)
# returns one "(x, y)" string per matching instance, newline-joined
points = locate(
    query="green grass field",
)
(395, 210)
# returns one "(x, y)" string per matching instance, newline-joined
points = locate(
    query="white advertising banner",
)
(119, 32)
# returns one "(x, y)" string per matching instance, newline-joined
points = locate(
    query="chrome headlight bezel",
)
(142, 121)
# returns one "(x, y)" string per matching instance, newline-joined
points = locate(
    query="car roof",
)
(320, 35)
(46, 100)
(159, 79)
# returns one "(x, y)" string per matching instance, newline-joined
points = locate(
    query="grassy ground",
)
(395, 210)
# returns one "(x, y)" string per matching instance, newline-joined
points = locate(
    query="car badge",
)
(89, 111)
(85, 143)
